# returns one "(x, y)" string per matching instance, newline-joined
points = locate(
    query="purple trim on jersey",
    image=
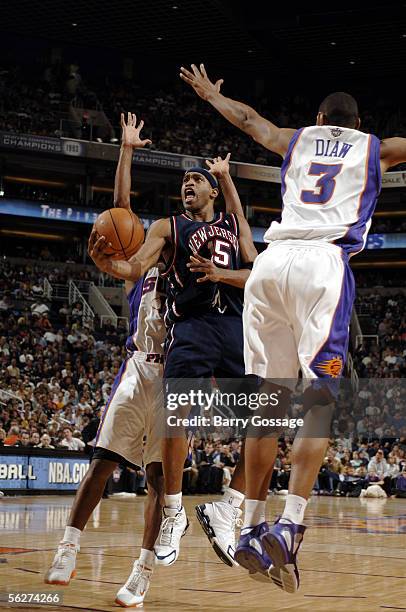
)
(134, 301)
(352, 241)
(287, 159)
(114, 388)
(326, 362)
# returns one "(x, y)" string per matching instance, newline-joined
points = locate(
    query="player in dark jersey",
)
(208, 252)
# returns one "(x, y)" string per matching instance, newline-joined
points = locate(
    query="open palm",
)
(130, 135)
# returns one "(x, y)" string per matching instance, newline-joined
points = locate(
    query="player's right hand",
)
(130, 133)
(96, 247)
(200, 82)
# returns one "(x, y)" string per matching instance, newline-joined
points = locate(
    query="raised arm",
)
(221, 170)
(242, 116)
(159, 236)
(130, 139)
(393, 152)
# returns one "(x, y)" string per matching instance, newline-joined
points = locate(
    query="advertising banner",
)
(51, 472)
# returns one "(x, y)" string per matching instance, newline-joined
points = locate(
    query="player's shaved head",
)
(340, 109)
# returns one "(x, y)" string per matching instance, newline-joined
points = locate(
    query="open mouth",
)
(189, 194)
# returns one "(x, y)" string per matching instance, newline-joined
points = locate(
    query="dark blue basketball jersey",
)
(216, 240)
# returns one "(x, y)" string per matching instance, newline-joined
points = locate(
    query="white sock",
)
(147, 558)
(295, 507)
(254, 512)
(72, 536)
(174, 502)
(233, 497)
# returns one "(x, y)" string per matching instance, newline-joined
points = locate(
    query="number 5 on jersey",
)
(325, 185)
(221, 256)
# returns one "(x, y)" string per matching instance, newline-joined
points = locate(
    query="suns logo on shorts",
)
(331, 367)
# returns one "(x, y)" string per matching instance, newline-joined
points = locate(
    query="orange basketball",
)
(123, 229)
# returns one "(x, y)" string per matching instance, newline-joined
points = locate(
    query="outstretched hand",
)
(219, 167)
(96, 247)
(200, 82)
(130, 135)
(206, 266)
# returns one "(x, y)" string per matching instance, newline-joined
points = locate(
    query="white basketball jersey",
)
(331, 179)
(147, 305)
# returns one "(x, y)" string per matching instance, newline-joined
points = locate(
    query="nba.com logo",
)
(70, 147)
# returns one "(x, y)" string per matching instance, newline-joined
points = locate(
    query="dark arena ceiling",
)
(272, 39)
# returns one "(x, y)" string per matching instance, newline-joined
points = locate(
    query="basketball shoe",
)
(173, 526)
(282, 543)
(251, 554)
(219, 521)
(63, 566)
(132, 594)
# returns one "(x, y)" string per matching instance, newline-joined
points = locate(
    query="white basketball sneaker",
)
(132, 594)
(63, 566)
(173, 526)
(219, 521)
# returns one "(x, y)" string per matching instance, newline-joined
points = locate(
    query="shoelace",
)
(134, 581)
(167, 530)
(62, 557)
(236, 522)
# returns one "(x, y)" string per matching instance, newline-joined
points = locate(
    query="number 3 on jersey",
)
(326, 183)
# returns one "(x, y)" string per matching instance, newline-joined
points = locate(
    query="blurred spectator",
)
(70, 442)
(45, 442)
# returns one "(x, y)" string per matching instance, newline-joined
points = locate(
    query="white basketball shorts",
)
(298, 303)
(134, 410)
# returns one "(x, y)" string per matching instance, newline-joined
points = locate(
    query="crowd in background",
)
(383, 354)
(176, 120)
(56, 374)
(350, 466)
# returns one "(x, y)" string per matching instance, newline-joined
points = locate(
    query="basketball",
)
(123, 229)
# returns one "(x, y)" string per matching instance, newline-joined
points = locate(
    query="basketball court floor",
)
(353, 558)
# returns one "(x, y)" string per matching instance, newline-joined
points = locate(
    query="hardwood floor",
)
(353, 558)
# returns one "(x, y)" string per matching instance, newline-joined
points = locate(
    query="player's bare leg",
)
(87, 497)
(133, 593)
(174, 452)
(174, 521)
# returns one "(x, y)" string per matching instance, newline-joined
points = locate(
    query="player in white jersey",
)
(132, 412)
(299, 297)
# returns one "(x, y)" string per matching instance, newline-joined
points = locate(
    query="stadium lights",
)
(1, 188)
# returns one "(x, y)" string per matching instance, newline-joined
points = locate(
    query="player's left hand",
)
(219, 167)
(96, 247)
(206, 266)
